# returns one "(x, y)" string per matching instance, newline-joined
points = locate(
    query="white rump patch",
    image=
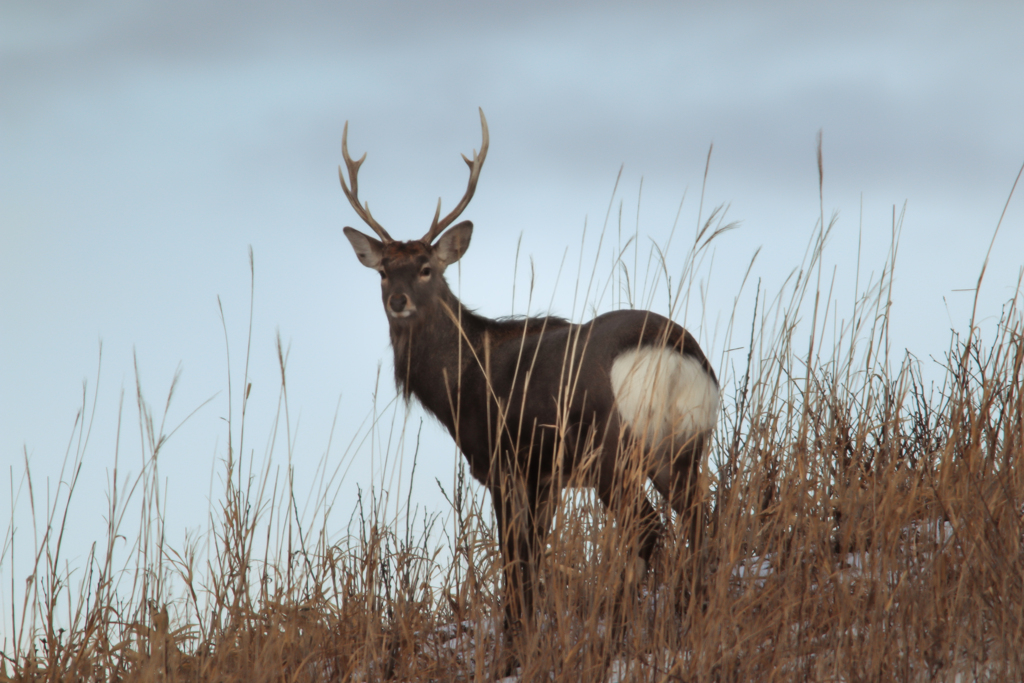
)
(663, 394)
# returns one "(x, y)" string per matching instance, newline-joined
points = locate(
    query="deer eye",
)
(383, 275)
(425, 272)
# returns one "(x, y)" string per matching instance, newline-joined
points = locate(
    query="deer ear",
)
(453, 243)
(367, 249)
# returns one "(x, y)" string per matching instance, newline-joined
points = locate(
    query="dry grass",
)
(857, 526)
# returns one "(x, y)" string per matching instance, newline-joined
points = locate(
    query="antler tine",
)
(437, 227)
(353, 194)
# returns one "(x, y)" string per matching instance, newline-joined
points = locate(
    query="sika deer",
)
(533, 403)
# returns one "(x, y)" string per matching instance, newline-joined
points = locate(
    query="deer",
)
(539, 403)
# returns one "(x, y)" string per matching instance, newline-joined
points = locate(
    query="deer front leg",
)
(514, 552)
(514, 556)
(522, 513)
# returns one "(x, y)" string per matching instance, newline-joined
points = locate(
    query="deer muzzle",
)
(399, 306)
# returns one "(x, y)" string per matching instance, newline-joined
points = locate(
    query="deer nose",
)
(397, 302)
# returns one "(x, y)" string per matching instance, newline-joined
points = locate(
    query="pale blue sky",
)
(145, 146)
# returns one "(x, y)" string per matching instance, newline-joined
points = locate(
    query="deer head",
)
(412, 273)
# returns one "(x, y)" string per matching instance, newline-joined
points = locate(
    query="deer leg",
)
(523, 514)
(620, 486)
(675, 476)
(507, 515)
(513, 597)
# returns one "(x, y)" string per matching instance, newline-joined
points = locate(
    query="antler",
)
(353, 195)
(474, 174)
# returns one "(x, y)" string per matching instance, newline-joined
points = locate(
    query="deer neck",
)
(436, 359)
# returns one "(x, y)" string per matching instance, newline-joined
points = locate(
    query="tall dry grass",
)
(856, 524)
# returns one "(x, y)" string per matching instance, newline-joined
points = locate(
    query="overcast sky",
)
(145, 146)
